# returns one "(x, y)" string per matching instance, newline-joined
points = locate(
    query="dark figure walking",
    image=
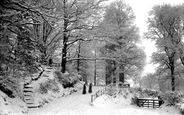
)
(90, 88)
(84, 89)
(50, 62)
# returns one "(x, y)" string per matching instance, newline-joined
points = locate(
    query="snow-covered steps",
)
(27, 90)
(44, 75)
(28, 87)
(33, 107)
(28, 96)
(49, 67)
(48, 71)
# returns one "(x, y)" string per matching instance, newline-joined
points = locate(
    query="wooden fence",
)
(124, 85)
(155, 103)
(103, 91)
(98, 93)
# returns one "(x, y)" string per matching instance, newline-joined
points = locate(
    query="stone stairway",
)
(28, 90)
(28, 96)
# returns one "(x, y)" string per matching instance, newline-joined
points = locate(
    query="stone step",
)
(27, 95)
(28, 87)
(32, 106)
(49, 68)
(29, 103)
(28, 99)
(48, 71)
(26, 90)
(45, 75)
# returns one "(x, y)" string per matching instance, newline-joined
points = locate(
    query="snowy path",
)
(75, 104)
(78, 104)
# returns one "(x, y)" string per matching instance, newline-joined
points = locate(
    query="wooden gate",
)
(155, 103)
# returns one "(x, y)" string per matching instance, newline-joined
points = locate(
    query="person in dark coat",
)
(50, 62)
(84, 89)
(90, 88)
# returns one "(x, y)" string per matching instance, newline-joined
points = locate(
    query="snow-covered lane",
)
(79, 104)
(75, 104)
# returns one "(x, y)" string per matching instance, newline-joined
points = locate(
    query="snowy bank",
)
(11, 106)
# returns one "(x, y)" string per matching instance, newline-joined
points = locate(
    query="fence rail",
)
(124, 85)
(98, 93)
(155, 103)
(103, 91)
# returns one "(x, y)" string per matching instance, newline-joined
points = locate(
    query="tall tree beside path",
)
(75, 15)
(166, 28)
(121, 37)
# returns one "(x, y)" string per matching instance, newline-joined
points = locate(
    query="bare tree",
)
(75, 15)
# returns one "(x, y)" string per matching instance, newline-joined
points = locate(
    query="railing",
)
(101, 92)
(124, 85)
(155, 103)
(98, 93)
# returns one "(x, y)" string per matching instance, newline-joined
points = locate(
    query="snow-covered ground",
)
(67, 103)
(11, 106)
(79, 104)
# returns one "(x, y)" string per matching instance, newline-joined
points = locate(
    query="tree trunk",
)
(95, 70)
(65, 38)
(63, 61)
(78, 56)
(122, 75)
(64, 52)
(117, 74)
(172, 79)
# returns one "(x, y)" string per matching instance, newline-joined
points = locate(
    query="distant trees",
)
(122, 35)
(166, 28)
(79, 51)
(150, 81)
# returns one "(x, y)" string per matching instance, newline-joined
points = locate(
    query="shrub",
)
(144, 93)
(67, 80)
(134, 100)
(43, 89)
(48, 85)
(182, 112)
(171, 98)
(112, 90)
(151, 93)
(181, 109)
(7, 91)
